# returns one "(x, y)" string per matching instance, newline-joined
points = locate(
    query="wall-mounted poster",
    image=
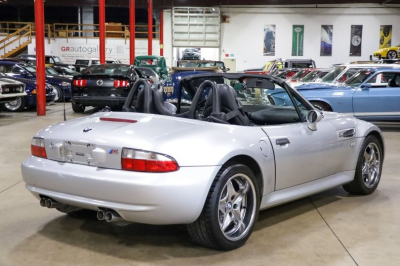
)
(269, 40)
(326, 40)
(356, 40)
(385, 36)
(298, 40)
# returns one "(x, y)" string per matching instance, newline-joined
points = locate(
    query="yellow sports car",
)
(390, 52)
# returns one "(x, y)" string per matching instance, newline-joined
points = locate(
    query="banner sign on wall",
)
(385, 36)
(269, 39)
(326, 40)
(298, 40)
(356, 40)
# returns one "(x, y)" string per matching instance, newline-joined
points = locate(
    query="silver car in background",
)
(213, 165)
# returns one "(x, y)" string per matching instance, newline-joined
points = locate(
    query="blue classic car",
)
(28, 101)
(19, 69)
(372, 94)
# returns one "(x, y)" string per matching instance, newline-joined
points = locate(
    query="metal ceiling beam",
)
(163, 4)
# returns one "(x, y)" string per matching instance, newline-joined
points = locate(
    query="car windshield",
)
(82, 62)
(31, 69)
(190, 50)
(147, 62)
(51, 71)
(299, 74)
(148, 72)
(310, 76)
(57, 59)
(69, 71)
(107, 69)
(359, 78)
(333, 74)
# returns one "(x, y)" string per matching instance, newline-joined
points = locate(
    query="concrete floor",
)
(330, 228)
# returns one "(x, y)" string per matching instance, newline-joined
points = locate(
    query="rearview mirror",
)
(313, 116)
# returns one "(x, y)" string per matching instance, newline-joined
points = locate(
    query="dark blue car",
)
(171, 86)
(28, 101)
(19, 69)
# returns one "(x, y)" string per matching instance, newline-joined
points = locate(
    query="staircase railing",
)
(25, 31)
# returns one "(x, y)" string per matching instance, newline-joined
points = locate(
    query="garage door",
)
(196, 27)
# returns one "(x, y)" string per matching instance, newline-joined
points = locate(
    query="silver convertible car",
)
(244, 144)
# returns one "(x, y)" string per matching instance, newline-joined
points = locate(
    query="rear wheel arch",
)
(252, 165)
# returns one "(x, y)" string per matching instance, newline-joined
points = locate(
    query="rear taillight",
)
(37, 148)
(80, 82)
(145, 161)
(121, 83)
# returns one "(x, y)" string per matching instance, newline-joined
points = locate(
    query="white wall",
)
(89, 48)
(243, 36)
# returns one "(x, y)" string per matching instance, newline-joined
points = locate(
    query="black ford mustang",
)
(103, 85)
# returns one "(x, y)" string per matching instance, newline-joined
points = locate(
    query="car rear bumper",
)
(153, 198)
(99, 100)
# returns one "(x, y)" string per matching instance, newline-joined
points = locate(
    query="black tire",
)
(322, 106)
(237, 218)
(59, 94)
(15, 106)
(391, 54)
(78, 108)
(363, 183)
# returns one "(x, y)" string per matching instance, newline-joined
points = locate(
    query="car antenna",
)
(65, 117)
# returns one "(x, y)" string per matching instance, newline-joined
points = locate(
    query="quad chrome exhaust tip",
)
(113, 216)
(49, 203)
(101, 215)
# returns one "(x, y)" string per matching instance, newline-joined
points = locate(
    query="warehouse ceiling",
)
(161, 4)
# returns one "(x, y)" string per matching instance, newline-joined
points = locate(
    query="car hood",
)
(9, 81)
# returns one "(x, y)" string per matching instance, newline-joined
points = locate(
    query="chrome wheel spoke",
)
(231, 191)
(226, 222)
(371, 167)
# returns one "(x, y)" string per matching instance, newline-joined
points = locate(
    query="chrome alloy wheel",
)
(371, 165)
(237, 207)
(14, 105)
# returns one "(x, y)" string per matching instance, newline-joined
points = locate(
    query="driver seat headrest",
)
(229, 105)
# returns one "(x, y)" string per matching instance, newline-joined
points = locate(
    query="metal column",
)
(150, 27)
(102, 29)
(40, 63)
(161, 32)
(132, 31)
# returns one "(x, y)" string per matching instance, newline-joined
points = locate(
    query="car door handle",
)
(282, 142)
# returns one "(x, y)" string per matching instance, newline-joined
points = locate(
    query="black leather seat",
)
(234, 114)
(158, 104)
(144, 100)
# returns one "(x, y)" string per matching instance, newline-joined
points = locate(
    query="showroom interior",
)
(199, 132)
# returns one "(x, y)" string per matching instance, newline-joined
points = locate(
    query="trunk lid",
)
(93, 141)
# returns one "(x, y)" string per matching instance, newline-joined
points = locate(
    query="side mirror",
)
(313, 116)
(366, 86)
